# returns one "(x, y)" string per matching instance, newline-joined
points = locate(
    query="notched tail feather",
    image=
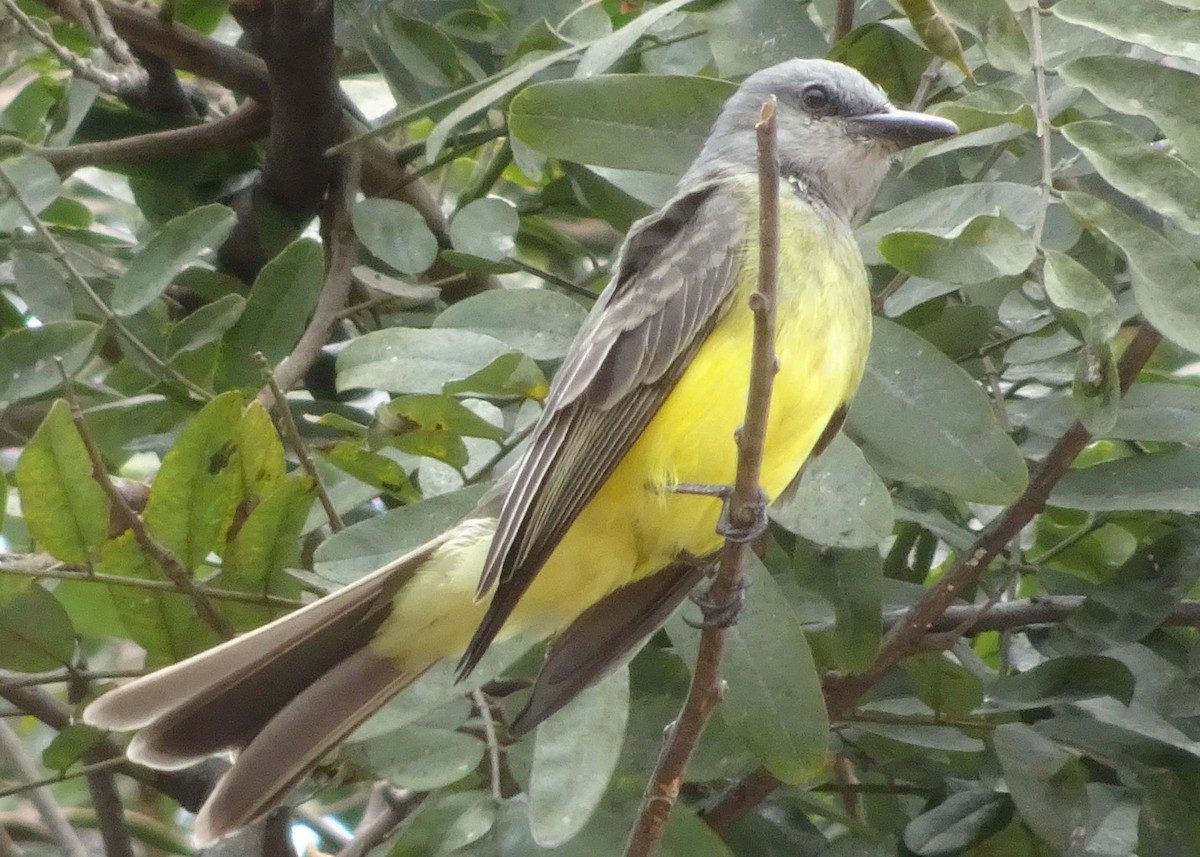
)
(295, 739)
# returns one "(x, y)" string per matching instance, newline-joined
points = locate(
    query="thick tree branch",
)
(745, 505)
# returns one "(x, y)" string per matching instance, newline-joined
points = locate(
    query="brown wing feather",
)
(673, 281)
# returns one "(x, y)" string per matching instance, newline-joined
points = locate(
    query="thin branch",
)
(70, 774)
(292, 433)
(387, 807)
(925, 84)
(9, 678)
(343, 256)
(552, 279)
(60, 255)
(744, 506)
(844, 22)
(493, 744)
(102, 787)
(39, 795)
(165, 559)
(129, 79)
(247, 122)
(1041, 109)
(24, 566)
(907, 635)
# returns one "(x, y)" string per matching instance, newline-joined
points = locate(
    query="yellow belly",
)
(635, 524)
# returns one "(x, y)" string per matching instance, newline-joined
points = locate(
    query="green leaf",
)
(447, 823)
(1060, 680)
(605, 51)
(840, 502)
(595, 121)
(71, 745)
(574, 756)
(422, 757)
(537, 322)
(1096, 387)
(486, 228)
(205, 325)
(35, 633)
(958, 823)
(850, 580)
(433, 413)
(395, 233)
(994, 25)
(1169, 96)
(37, 183)
(372, 468)
(198, 486)
(407, 360)
(28, 354)
(163, 623)
(175, 246)
(269, 540)
(261, 452)
(1140, 170)
(942, 684)
(42, 286)
(1086, 302)
(1045, 781)
(1143, 592)
(1168, 824)
(985, 248)
(509, 375)
(921, 411)
(945, 211)
(1162, 481)
(1163, 27)
(365, 546)
(752, 34)
(277, 310)
(773, 700)
(65, 509)
(201, 15)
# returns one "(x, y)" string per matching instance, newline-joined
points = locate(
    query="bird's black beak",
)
(902, 128)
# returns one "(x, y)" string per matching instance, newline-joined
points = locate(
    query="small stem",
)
(165, 559)
(493, 744)
(292, 433)
(1042, 113)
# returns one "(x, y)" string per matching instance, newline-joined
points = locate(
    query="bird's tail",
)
(280, 696)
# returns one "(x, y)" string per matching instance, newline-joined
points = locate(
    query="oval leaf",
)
(405, 360)
(395, 233)
(919, 409)
(537, 322)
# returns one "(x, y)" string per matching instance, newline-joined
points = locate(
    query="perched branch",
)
(745, 504)
(907, 635)
(129, 78)
(165, 559)
(42, 799)
(248, 122)
(387, 807)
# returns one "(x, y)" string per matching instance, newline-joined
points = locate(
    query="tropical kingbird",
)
(584, 541)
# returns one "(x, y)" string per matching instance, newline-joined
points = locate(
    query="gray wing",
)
(674, 278)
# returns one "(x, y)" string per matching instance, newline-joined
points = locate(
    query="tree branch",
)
(744, 507)
(40, 796)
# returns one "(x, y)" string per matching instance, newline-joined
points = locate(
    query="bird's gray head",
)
(836, 131)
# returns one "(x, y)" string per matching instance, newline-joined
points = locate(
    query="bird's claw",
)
(716, 614)
(750, 531)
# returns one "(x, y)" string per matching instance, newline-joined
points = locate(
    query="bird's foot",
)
(719, 614)
(756, 524)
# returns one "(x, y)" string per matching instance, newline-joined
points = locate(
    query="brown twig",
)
(908, 634)
(40, 796)
(844, 22)
(247, 122)
(343, 256)
(493, 743)
(165, 559)
(129, 78)
(744, 504)
(32, 566)
(387, 807)
(102, 786)
(292, 433)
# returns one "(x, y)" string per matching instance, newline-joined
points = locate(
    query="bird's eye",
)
(815, 97)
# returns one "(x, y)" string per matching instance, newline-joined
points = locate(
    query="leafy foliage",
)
(514, 142)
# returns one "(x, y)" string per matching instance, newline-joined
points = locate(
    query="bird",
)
(586, 540)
